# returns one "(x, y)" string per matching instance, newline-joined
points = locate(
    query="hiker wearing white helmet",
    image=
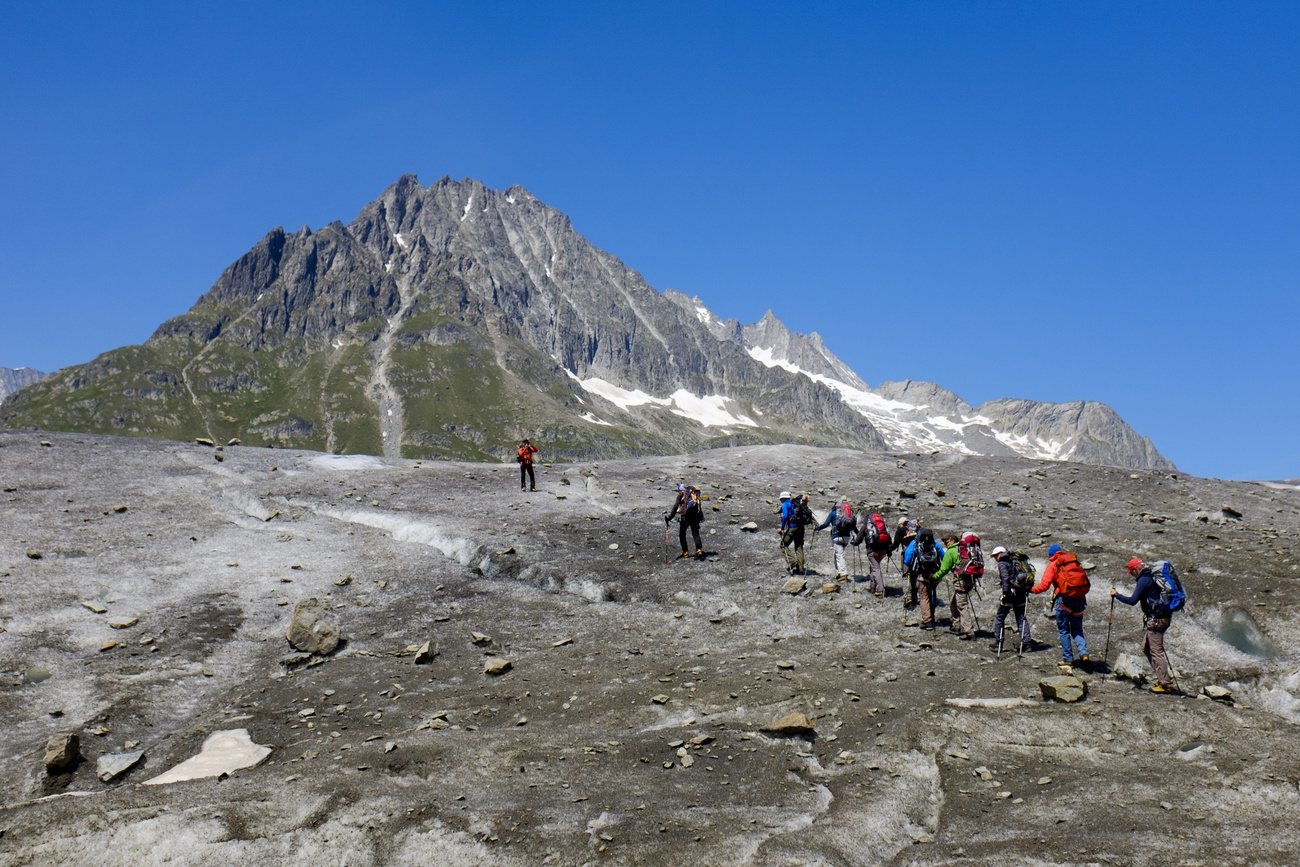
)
(903, 536)
(794, 517)
(1016, 576)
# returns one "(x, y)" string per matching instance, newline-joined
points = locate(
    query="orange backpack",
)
(1071, 581)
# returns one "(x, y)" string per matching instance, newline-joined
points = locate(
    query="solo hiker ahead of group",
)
(689, 511)
(1161, 594)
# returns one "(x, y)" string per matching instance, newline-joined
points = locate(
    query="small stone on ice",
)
(1043, 781)
(659, 699)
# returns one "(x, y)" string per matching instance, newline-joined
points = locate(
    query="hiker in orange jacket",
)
(1070, 583)
(526, 452)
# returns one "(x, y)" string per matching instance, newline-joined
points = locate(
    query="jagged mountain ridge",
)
(14, 378)
(445, 321)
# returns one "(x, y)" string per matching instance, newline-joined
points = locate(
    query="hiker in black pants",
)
(902, 538)
(689, 513)
(525, 458)
(1015, 590)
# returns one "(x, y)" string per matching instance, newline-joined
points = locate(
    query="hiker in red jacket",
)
(526, 452)
(1064, 573)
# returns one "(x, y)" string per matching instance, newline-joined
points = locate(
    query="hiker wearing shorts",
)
(1070, 583)
(1156, 619)
(689, 514)
(525, 458)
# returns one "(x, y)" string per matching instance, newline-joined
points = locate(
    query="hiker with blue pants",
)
(1066, 576)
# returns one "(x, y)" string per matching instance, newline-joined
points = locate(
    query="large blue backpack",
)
(1172, 595)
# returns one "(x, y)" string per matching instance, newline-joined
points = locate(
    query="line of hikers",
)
(959, 558)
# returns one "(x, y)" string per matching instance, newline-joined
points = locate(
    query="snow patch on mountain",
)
(710, 410)
(907, 426)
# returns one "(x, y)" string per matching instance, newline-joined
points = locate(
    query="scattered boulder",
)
(124, 622)
(312, 629)
(1129, 667)
(61, 750)
(1218, 693)
(659, 699)
(495, 665)
(830, 587)
(426, 653)
(794, 585)
(204, 441)
(749, 527)
(791, 724)
(117, 764)
(480, 638)
(1066, 688)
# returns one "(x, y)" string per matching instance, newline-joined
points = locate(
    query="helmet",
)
(999, 550)
(785, 495)
(902, 522)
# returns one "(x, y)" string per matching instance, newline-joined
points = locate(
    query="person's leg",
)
(999, 621)
(841, 559)
(1063, 628)
(532, 479)
(681, 534)
(695, 534)
(877, 573)
(1076, 627)
(786, 552)
(925, 594)
(1153, 646)
(523, 475)
(911, 588)
(798, 551)
(1022, 622)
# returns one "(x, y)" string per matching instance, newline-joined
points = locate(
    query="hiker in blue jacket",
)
(792, 532)
(922, 559)
(842, 531)
(1155, 618)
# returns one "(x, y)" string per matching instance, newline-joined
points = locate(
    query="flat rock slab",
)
(794, 585)
(117, 764)
(991, 702)
(496, 666)
(1064, 688)
(790, 724)
(222, 753)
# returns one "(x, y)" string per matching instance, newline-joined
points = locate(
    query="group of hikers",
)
(926, 563)
(959, 558)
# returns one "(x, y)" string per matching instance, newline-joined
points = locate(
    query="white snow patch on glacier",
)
(710, 411)
(401, 240)
(586, 416)
(347, 462)
(620, 397)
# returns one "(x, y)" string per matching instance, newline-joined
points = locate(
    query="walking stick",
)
(1109, 623)
(1170, 661)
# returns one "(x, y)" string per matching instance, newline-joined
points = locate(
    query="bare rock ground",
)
(629, 727)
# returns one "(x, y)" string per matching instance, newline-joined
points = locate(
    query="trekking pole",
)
(1169, 660)
(1110, 621)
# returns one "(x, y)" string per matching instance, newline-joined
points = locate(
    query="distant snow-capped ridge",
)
(922, 416)
(14, 378)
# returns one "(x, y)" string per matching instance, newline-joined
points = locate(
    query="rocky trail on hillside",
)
(520, 678)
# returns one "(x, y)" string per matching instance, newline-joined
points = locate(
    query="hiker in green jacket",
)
(961, 587)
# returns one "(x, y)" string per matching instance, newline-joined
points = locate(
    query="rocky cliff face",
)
(14, 378)
(447, 321)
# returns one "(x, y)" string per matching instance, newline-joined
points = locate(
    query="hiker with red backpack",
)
(525, 459)
(874, 533)
(1161, 594)
(689, 511)
(843, 525)
(965, 562)
(922, 559)
(1070, 583)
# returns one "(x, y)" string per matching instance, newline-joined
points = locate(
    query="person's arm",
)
(1049, 578)
(1005, 574)
(909, 552)
(951, 558)
(1144, 585)
(830, 516)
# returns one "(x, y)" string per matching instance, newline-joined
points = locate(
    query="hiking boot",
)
(683, 554)
(699, 554)
(967, 636)
(994, 646)
(1084, 659)
(910, 603)
(534, 490)
(879, 594)
(1161, 688)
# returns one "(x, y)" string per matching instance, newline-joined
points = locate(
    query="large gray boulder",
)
(1064, 688)
(312, 629)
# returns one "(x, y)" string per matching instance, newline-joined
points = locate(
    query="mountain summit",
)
(448, 321)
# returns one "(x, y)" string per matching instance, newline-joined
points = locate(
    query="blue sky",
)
(1052, 201)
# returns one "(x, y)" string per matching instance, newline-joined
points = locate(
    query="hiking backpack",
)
(691, 499)
(1172, 596)
(1023, 573)
(1071, 580)
(877, 534)
(803, 515)
(972, 558)
(926, 558)
(845, 523)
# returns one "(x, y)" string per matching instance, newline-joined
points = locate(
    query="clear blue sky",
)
(1055, 201)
